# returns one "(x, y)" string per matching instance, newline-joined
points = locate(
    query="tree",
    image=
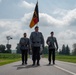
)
(8, 46)
(18, 49)
(63, 49)
(67, 52)
(74, 49)
(2, 48)
(60, 51)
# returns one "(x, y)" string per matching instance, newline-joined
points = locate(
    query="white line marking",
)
(65, 70)
(66, 62)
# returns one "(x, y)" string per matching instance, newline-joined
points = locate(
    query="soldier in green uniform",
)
(52, 46)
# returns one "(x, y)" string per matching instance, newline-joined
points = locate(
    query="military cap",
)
(52, 32)
(36, 27)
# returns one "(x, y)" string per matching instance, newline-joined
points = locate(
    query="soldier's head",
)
(52, 33)
(24, 34)
(36, 28)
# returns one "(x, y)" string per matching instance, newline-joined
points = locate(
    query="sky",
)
(54, 15)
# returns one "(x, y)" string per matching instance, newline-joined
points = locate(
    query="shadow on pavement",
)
(17, 65)
(25, 66)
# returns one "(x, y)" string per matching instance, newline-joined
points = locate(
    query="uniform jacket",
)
(24, 43)
(52, 42)
(36, 39)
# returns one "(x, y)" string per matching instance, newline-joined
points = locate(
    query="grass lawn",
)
(66, 58)
(6, 58)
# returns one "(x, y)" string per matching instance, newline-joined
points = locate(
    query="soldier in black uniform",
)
(24, 47)
(51, 42)
(37, 40)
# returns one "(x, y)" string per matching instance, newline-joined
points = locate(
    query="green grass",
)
(6, 58)
(9, 58)
(65, 58)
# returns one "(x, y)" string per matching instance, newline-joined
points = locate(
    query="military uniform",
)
(36, 41)
(24, 47)
(52, 42)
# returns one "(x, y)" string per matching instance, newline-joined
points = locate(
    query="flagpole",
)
(38, 9)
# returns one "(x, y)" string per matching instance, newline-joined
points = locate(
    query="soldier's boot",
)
(53, 62)
(26, 62)
(49, 62)
(22, 63)
(33, 63)
(38, 64)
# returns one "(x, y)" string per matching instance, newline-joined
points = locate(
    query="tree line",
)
(65, 50)
(5, 49)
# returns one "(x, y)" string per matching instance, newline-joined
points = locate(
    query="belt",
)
(24, 45)
(35, 42)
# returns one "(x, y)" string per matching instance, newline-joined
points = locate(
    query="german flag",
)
(35, 18)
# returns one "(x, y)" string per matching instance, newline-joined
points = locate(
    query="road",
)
(60, 68)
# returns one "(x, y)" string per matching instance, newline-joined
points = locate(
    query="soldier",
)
(37, 40)
(24, 47)
(51, 42)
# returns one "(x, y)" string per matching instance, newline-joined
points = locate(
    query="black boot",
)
(22, 63)
(38, 63)
(33, 63)
(53, 62)
(26, 62)
(49, 63)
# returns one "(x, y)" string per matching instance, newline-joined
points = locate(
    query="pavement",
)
(60, 68)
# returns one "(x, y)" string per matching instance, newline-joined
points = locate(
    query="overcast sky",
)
(54, 15)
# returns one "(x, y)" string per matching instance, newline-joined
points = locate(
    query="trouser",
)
(36, 54)
(51, 53)
(24, 55)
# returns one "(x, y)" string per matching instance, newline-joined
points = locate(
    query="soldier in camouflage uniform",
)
(24, 47)
(52, 42)
(37, 40)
